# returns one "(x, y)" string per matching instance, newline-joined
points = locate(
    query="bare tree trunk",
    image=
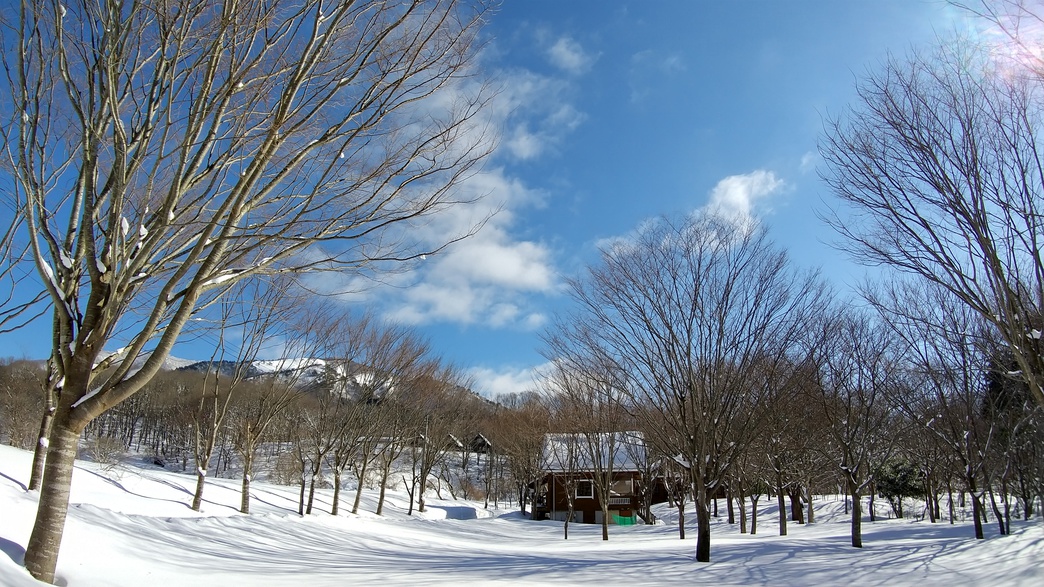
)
(385, 473)
(311, 492)
(754, 513)
(857, 518)
(337, 491)
(301, 497)
(702, 529)
(605, 521)
(40, 452)
(797, 510)
(248, 466)
(380, 502)
(782, 504)
(41, 553)
(742, 502)
(976, 507)
(359, 488)
(681, 519)
(201, 480)
(411, 489)
(996, 512)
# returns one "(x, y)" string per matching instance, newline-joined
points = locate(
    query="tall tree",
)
(947, 356)
(939, 172)
(858, 373)
(161, 150)
(704, 316)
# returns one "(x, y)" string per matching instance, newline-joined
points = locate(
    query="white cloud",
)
(535, 112)
(737, 195)
(808, 161)
(494, 383)
(493, 277)
(524, 144)
(567, 55)
(486, 278)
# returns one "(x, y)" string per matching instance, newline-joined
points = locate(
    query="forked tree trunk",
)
(797, 509)
(41, 553)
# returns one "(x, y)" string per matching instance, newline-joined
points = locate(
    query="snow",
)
(66, 260)
(279, 365)
(132, 525)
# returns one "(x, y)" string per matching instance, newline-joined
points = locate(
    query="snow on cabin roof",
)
(579, 451)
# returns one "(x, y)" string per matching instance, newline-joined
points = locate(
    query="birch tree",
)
(161, 150)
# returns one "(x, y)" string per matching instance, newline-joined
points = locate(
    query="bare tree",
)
(858, 373)
(272, 316)
(437, 396)
(704, 316)
(519, 436)
(161, 151)
(590, 400)
(391, 354)
(948, 359)
(938, 169)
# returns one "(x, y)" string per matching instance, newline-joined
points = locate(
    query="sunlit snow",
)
(131, 526)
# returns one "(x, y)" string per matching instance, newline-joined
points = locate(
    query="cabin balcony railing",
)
(619, 501)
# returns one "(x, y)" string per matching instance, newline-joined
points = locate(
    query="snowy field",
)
(131, 526)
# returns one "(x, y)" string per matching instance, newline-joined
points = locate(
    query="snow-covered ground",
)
(132, 526)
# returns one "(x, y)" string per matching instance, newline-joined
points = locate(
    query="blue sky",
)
(627, 110)
(615, 112)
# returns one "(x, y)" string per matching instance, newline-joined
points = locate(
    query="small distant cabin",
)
(569, 469)
(481, 445)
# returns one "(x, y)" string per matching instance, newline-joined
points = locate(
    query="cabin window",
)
(584, 489)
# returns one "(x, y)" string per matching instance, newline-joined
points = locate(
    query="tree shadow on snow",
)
(456, 512)
(13, 550)
(15, 481)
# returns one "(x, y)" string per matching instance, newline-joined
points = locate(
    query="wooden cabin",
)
(570, 463)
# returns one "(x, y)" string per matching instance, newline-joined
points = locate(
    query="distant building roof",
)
(580, 451)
